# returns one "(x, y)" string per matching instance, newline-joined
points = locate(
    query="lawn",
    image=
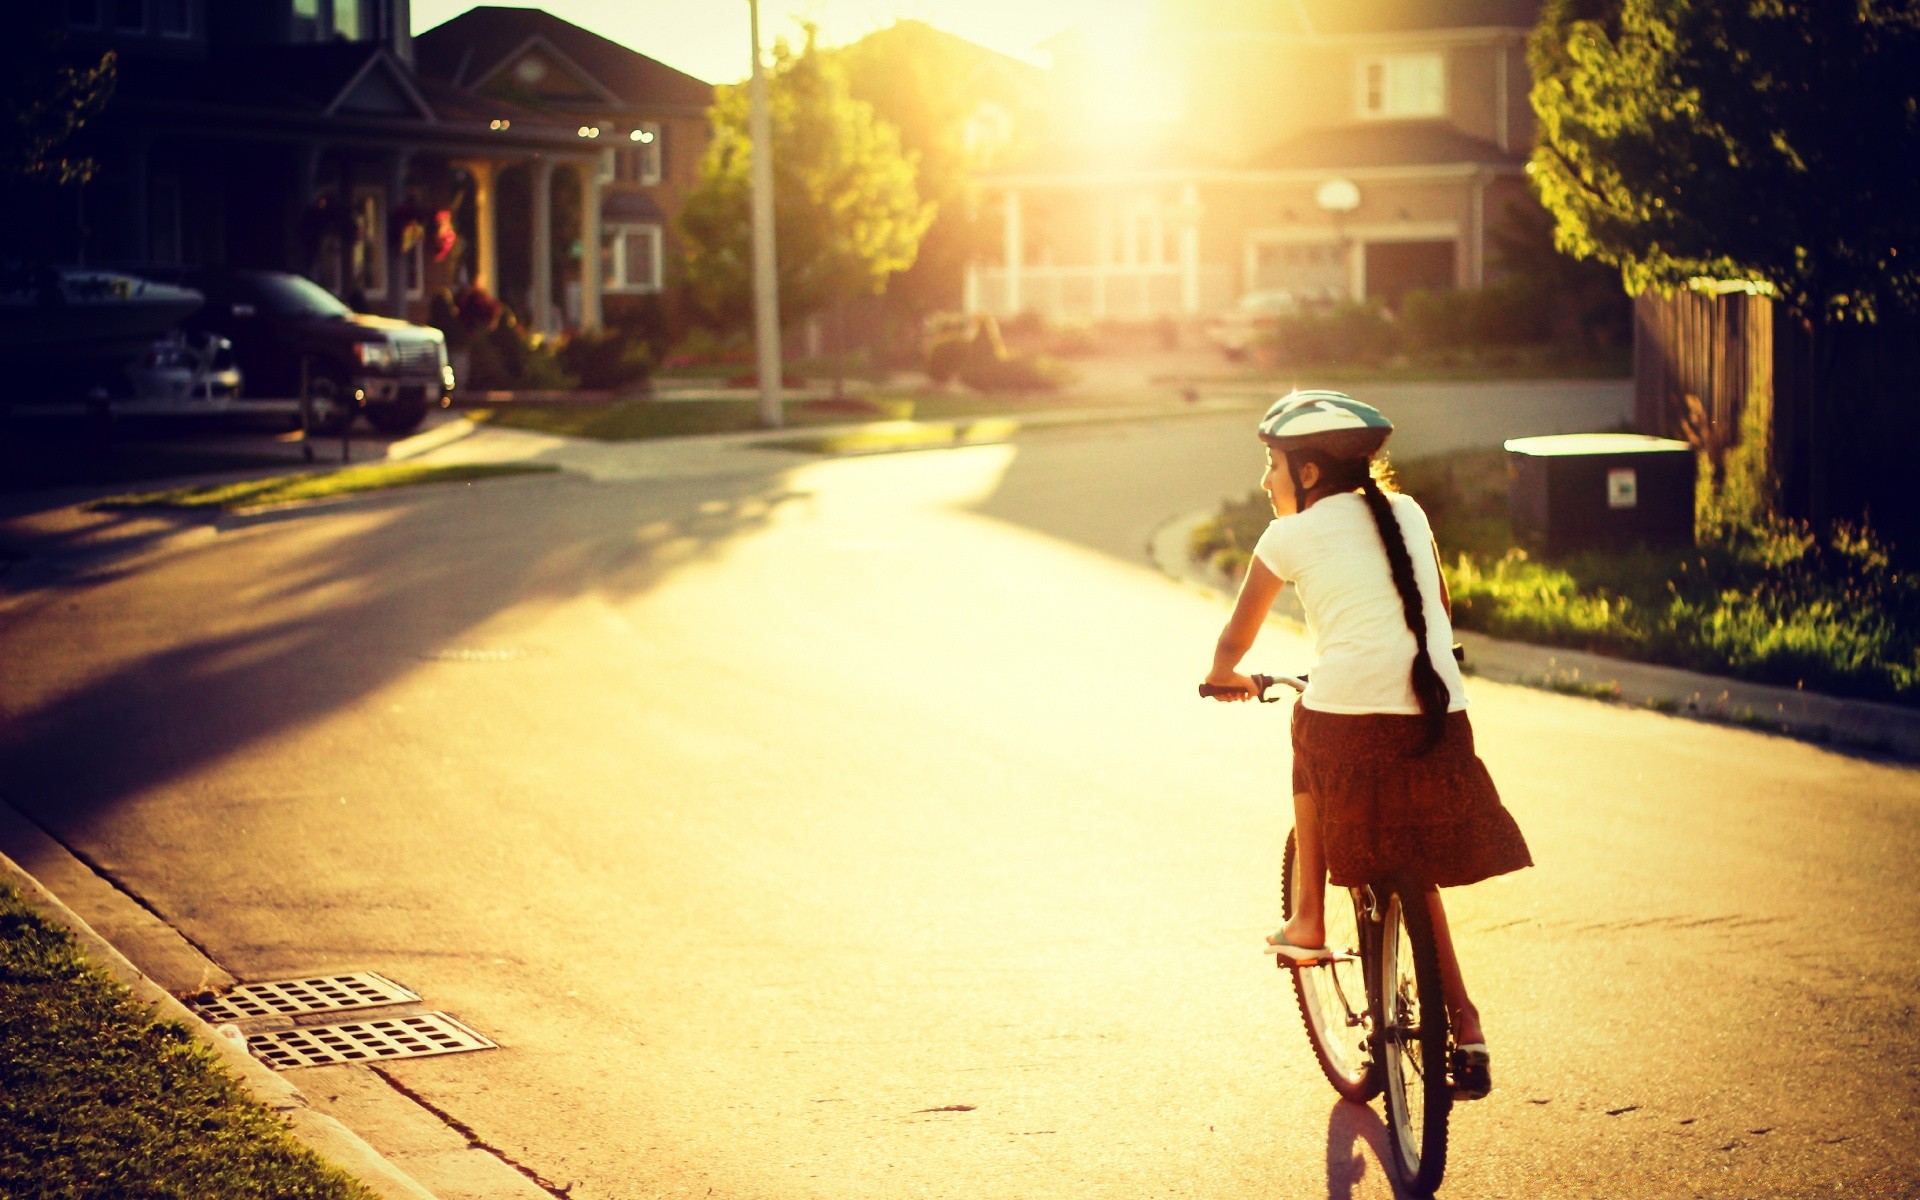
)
(99, 1099)
(1767, 601)
(314, 485)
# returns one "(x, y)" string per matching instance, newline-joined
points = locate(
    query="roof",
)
(279, 78)
(1383, 144)
(475, 43)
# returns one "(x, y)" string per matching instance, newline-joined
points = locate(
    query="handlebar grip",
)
(1209, 692)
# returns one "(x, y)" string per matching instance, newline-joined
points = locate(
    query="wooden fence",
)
(1840, 404)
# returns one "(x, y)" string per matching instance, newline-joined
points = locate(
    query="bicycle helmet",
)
(1333, 423)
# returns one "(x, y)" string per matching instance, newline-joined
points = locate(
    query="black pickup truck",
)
(393, 371)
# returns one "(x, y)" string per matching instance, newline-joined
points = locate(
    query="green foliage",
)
(606, 361)
(959, 109)
(1760, 599)
(847, 214)
(1346, 335)
(44, 101)
(509, 357)
(313, 485)
(1759, 140)
(1510, 312)
(99, 1099)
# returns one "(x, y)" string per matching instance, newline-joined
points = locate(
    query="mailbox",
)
(1592, 491)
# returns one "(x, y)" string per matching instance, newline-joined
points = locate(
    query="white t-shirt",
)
(1332, 553)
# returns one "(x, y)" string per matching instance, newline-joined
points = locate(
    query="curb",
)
(1810, 716)
(333, 1142)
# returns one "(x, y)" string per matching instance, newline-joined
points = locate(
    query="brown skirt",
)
(1385, 809)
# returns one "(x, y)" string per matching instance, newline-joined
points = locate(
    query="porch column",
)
(1189, 249)
(540, 173)
(970, 293)
(1013, 251)
(1477, 235)
(396, 268)
(486, 267)
(590, 281)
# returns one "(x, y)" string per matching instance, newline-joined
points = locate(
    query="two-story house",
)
(1336, 149)
(315, 136)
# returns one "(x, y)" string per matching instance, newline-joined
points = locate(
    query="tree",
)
(44, 101)
(847, 213)
(960, 108)
(1737, 139)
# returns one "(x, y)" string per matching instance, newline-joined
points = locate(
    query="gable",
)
(538, 71)
(379, 89)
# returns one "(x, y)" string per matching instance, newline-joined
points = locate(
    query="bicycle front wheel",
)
(1413, 1041)
(1333, 994)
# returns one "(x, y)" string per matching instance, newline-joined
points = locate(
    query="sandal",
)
(1471, 1068)
(1277, 943)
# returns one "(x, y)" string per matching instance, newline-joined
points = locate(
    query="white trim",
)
(580, 74)
(1364, 66)
(1255, 177)
(613, 242)
(1386, 231)
(422, 109)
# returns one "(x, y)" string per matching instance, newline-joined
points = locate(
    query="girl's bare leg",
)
(1308, 925)
(1464, 1017)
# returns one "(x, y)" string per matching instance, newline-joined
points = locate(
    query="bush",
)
(1015, 373)
(1512, 312)
(606, 361)
(506, 357)
(1346, 335)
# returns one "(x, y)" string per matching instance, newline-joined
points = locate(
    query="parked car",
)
(281, 324)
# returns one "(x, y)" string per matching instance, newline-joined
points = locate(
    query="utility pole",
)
(766, 290)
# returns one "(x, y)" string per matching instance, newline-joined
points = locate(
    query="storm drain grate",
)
(290, 997)
(413, 1036)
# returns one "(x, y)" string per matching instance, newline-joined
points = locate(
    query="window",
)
(346, 19)
(630, 258)
(306, 9)
(83, 14)
(637, 160)
(1403, 85)
(130, 16)
(174, 18)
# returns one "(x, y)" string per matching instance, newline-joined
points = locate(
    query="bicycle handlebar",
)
(1264, 683)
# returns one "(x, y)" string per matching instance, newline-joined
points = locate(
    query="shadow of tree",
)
(114, 685)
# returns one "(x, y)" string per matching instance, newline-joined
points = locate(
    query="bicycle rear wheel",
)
(1333, 995)
(1413, 1040)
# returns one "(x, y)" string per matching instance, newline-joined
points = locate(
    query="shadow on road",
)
(119, 682)
(1356, 1144)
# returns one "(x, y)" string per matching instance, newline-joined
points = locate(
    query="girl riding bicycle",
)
(1385, 778)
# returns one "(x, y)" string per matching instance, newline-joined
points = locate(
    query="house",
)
(649, 120)
(1332, 149)
(318, 136)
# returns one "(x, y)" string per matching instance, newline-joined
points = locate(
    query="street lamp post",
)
(766, 292)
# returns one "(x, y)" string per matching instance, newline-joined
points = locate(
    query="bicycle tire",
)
(1412, 1020)
(1332, 997)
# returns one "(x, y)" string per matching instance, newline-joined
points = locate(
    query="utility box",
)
(1600, 491)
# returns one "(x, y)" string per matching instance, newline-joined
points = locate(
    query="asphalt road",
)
(850, 829)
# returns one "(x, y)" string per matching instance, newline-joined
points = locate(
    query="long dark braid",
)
(1428, 687)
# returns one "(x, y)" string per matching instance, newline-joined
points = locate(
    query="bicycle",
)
(1373, 1006)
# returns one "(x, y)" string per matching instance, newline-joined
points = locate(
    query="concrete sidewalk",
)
(1864, 724)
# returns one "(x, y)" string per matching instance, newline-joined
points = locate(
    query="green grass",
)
(99, 1099)
(638, 420)
(1768, 601)
(902, 435)
(314, 485)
